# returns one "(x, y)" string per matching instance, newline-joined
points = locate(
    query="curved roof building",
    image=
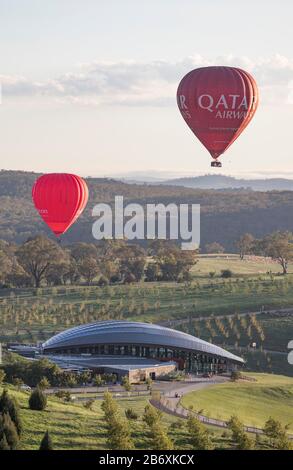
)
(144, 340)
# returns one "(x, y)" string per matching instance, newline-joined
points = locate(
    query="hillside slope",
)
(229, 182)
(225, 215)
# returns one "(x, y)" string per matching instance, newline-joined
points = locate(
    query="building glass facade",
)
(196, 362)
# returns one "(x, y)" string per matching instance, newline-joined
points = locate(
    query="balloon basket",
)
(216, 164)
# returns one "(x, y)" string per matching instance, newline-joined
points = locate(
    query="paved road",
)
(174, 394)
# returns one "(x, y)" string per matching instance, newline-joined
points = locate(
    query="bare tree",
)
(245, 245)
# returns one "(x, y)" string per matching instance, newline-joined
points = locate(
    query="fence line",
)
(184, 413)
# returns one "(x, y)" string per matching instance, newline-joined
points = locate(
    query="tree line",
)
(41, 261)
(278, 246)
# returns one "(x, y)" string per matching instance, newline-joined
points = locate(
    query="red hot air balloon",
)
(217, 103)
(60, 199)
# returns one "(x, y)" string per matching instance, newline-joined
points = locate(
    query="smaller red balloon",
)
(60, 198)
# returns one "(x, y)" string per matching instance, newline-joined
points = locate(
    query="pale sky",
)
(89, 86)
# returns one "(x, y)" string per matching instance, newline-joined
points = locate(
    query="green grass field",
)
(252, 402)
(249, 266)
(71, 426)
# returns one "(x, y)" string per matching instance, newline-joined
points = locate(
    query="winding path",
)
(170, 403)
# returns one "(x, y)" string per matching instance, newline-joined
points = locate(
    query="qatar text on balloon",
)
(229, 107)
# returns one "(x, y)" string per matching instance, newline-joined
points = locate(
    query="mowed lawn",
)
(253, 402)
(250, 265)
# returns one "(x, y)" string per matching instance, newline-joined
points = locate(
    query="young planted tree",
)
(9, 406)
(8, 432)
(151, 415)
(149, 383)
(159, 439)
(131, 414)
(98, 381)
(44, 383)
(109, 406)
(37, 400)
(3, 442)
(89, 404)
(126, 384)
(198, 434)
(244, 442)
(46, 442)
(277, 435)
(118, 430)
(119, 436)
(239, 436)
(235, 375)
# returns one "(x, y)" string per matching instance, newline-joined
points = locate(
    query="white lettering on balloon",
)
(206, 104)
(222, 102)
(226, 106)
(232, 114)
(182, 103)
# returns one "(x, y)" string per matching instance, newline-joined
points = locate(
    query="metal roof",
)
(136, 333)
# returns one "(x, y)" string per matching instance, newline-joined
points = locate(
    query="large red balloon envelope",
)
(217, 103)
(60, 199)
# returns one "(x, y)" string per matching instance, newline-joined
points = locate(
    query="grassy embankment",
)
(71, 426)
(252, 402)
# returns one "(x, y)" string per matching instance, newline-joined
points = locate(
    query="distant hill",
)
(225, 214)
(229, 182)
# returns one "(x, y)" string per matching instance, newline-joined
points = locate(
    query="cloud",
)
(133, 83)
